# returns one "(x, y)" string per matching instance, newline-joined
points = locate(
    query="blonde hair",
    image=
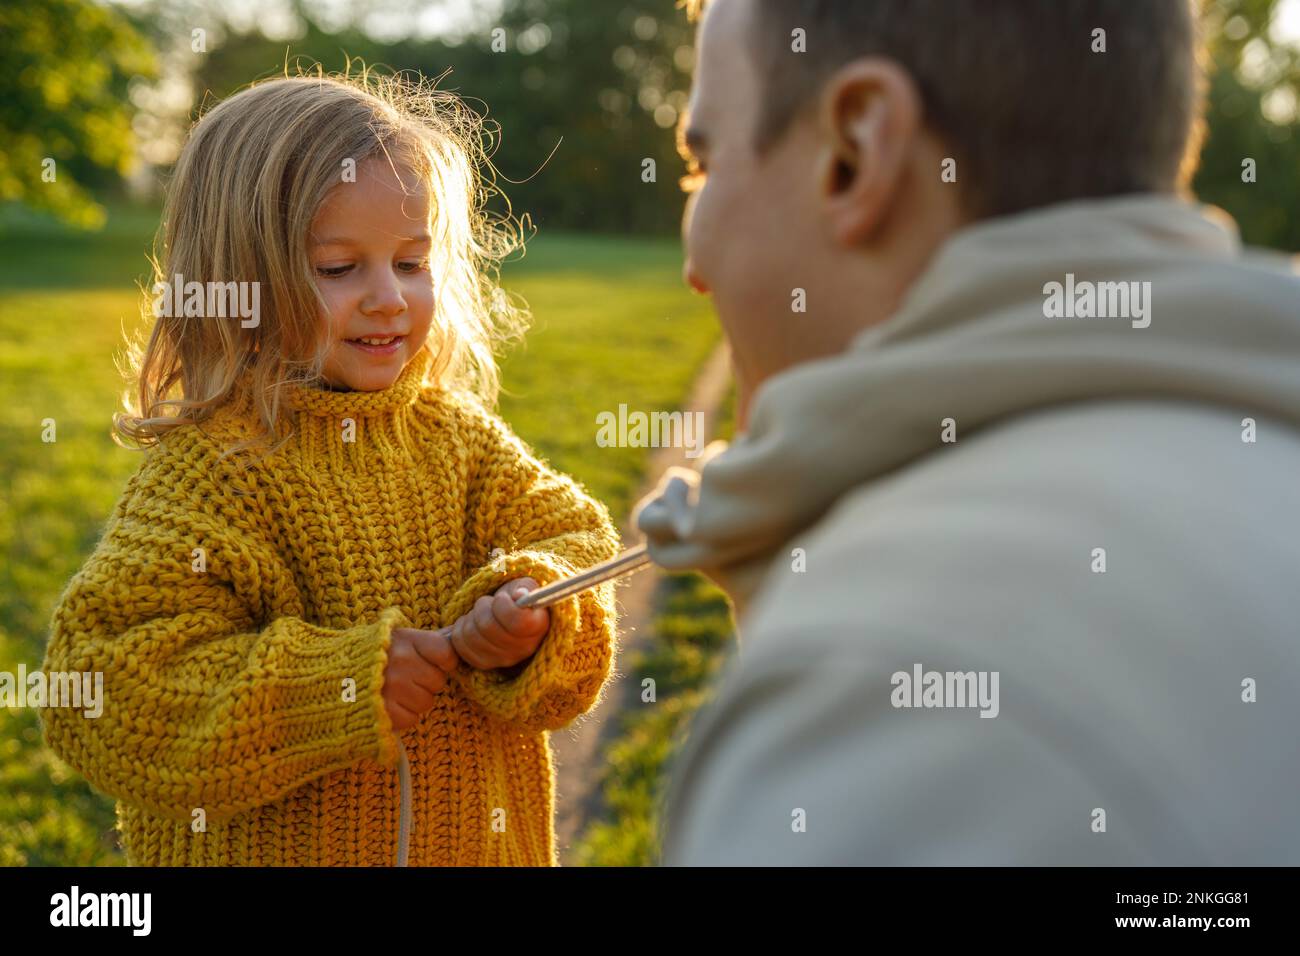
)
(245, 190)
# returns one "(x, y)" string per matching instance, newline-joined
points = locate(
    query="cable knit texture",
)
(242, 621)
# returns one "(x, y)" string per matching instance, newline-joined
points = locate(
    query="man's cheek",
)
(688, 216)
(692, 243)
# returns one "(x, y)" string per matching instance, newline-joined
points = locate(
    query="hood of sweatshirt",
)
(1140, 296)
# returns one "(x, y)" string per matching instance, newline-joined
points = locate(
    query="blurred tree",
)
(608, 81)
(611, 80)
(65, 120)
(581, 92)
(1252, 116)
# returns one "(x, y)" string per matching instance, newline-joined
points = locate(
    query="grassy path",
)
(580, 750)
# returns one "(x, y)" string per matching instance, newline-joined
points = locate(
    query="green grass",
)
(693, 633)
(613, 324)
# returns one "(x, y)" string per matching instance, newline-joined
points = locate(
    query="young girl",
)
(305, 600)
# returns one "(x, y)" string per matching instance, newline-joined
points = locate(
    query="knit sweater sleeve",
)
(212, 699)
(526, 520)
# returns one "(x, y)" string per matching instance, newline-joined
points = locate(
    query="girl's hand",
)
(418, 665)
(497, 633)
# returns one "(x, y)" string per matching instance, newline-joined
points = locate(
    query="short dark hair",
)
(1031, 114)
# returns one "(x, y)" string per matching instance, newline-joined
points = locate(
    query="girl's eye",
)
(333, 272)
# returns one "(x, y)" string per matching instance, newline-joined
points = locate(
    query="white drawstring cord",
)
(404, 821)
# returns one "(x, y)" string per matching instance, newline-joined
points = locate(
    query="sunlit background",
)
(599, 84)
(583, 92)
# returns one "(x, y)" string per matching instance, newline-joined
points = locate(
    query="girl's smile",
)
(378, 345)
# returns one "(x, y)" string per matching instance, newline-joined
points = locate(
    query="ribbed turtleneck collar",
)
(317, 400)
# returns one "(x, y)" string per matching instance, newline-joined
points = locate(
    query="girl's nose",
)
(384, 298)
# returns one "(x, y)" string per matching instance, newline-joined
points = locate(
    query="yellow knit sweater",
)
(242, 621)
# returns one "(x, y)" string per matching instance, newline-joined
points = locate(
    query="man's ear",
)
(870, 115)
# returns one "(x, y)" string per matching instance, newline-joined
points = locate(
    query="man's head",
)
(829, 134)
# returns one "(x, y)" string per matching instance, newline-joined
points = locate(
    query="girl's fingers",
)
(496, 632)
(414, 697)
(427, 680)
(474, 649)
(490, 628)
(516, 620)
(401, 717)
(522, 622)
(436, 649)
(518, 587)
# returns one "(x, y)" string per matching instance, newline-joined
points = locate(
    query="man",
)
(1011, 522)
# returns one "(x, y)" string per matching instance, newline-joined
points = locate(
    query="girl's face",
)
(370, 248)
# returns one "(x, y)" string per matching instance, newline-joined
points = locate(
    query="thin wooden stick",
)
(629, 562)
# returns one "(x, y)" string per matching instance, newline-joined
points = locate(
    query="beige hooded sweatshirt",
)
(1015, 573)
